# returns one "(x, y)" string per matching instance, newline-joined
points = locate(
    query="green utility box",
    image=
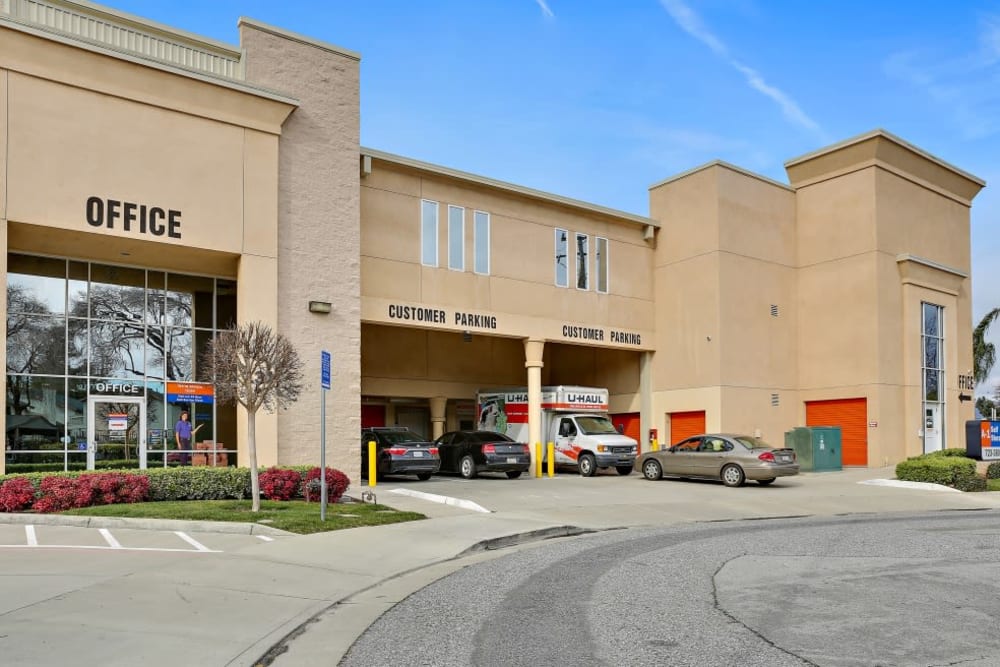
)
(817, 448)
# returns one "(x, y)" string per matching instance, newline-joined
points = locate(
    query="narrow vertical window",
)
(481, 241)
(428, 232)
(562, 258)
(932, 363)
(582, 261)
(456, 238)
(601, 248)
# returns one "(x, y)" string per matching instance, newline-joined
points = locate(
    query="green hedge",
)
(953, 451)
(940, 468)
(182, 483)
(993, 470)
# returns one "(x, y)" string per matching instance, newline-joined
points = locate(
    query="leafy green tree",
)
(984, 353)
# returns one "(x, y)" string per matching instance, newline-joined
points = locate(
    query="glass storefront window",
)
(124, 325)
(36, 344)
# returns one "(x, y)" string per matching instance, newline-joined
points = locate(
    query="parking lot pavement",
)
(41, 537)
(610, 500)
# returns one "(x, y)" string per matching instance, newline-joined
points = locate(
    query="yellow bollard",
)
(538, 459)
(372, 464)
(552, 460)
(656, 445)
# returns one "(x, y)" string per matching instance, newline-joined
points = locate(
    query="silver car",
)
(731, 458)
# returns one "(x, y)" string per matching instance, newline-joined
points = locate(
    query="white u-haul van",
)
(575, 419)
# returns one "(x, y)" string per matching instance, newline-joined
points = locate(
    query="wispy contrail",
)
(545, 9)
(691, 23)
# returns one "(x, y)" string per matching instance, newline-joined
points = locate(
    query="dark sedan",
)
(472, 452)
(730, 458)
(399, 451)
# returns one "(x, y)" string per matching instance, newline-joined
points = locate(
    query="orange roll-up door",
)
(685, 424)
(851, 415)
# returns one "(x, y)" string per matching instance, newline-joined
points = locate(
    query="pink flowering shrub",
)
(278, 484)
(16, 494)
(336, 484)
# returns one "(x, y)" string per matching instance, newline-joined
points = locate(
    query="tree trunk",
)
(252, 450)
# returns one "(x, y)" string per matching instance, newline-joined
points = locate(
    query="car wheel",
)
(513, 474)
(467, 467)
(424, 476)
(765, 482)
(624, 470)
(588, 465)
(652, 470)
(732, 475)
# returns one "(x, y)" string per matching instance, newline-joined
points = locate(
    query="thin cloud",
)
(545, 9)
(691, 23)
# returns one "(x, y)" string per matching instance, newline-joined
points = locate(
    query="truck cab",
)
(590, 441)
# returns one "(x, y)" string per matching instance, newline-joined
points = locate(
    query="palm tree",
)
(984, 354)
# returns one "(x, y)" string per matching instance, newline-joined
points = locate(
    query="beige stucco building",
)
(156, 186)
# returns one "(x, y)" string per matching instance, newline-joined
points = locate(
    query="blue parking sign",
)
(324, 366)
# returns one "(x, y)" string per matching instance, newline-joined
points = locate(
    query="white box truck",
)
(575, 419)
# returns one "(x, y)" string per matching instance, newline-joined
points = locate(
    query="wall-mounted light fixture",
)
(323, 307)
(467, 336)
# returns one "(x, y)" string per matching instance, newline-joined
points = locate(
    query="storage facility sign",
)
(117, 421)
(989, 433)
(190, 392)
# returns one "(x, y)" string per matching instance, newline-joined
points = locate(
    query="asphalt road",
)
(882, 590)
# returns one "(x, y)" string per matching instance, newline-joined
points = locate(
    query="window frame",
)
(600, 258)
(453, 208)
(586, 260)
(566, 233)
(476, 213)
(423, 232)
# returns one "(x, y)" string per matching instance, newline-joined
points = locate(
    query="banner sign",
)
(989, 438)
(117, 421)
(190, 392)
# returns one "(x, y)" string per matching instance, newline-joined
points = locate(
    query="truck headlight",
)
(602, 448)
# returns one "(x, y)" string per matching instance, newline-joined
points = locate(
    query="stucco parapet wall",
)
(296, 37)
(930, 274)
(725, 165)
(367, 154)
(883, 149)
(37, 30)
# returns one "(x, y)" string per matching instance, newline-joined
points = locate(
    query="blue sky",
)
(597, 100)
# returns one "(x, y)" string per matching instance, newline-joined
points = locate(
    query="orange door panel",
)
(685, 424)
(628, 424)
(851, 415)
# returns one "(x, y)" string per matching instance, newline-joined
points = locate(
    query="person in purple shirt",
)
(182, 436)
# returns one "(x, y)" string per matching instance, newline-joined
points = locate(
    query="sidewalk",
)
(303, 600)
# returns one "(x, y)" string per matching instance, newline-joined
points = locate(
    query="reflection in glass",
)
(78, 334)
(931, 379)
(156, 296)
(36, 418)
(36, 344)
(931, 320)
(225, 304)
(601, 259)
(77, 288)
(201, 339)
(36, 285)
(117, 349)
(582, 261)
(178, 355)
(76, 414)
(117, 293)
(189, 300)
(932, 352)
(562, 258)
(156, 426)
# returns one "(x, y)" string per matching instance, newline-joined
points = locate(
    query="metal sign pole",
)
(324, 363)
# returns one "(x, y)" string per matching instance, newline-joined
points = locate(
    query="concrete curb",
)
(526, 536)
(444, 500)
(234, 527)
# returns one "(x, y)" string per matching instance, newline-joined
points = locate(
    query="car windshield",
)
(487, 436)
(596, 426)
(401, 437)
(752, 443)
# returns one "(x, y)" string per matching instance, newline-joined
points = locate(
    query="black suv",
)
(400, 451)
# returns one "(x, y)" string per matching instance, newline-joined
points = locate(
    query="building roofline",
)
(727, 165)
(509, 187)
(224, 82)
(906, 257)
(297, 37)
(879, 132)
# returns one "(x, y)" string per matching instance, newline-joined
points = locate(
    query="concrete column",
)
(646, 418)
(533, 350)
(438, 406)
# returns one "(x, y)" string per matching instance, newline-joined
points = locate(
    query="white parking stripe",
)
(265, 538)
(190, 540)
(29, 532)
(99, 548)
(109, 538)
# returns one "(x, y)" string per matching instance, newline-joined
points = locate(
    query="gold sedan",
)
(730, 458)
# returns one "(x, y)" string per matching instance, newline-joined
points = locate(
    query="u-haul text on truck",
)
(574, 419)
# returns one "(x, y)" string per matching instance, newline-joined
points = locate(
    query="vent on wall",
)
(774, 310)
(774, 400)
